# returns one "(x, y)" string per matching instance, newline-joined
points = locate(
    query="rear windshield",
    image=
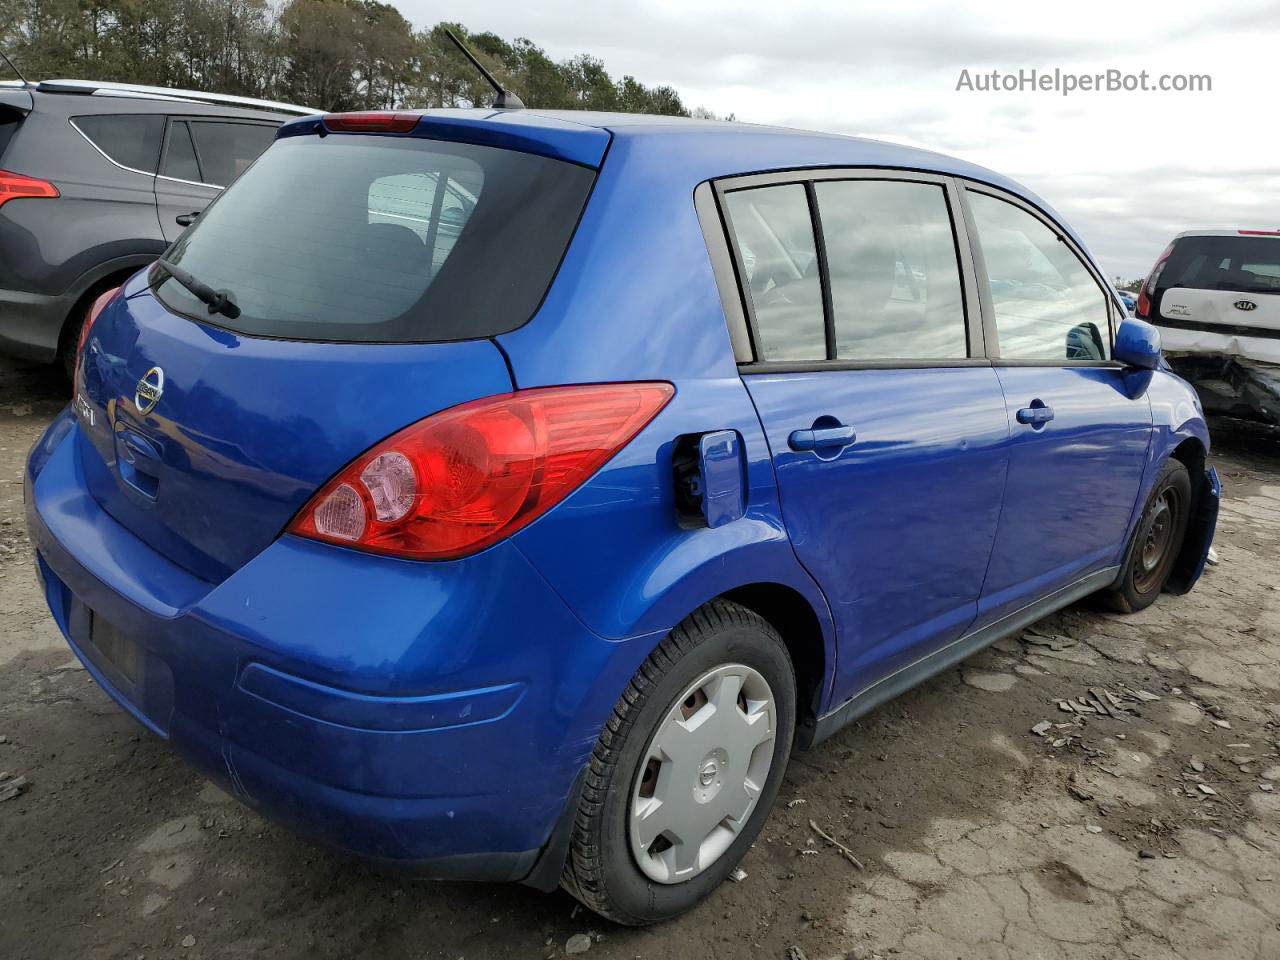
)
(1238, 264)
(384, 239)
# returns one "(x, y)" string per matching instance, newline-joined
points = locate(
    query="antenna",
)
(24, 80)
(505, 100)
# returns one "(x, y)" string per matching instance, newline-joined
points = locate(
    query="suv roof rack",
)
(143, 92)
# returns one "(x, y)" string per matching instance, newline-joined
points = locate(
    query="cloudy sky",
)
(1127, 169)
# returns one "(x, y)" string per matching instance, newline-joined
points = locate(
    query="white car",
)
(1215, 295)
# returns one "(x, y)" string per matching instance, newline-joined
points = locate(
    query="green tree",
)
(330, 54)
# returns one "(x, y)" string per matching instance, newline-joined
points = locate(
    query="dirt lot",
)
(1155, 834)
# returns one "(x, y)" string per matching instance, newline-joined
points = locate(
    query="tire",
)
(69, 338)
(1156, 543)
(604, 868)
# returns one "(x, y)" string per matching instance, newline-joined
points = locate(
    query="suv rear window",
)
(389, 239)
(130, 139)
(1238, 264)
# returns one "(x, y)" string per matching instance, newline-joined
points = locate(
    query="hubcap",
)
(702, 773)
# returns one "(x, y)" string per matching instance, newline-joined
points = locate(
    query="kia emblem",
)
(1245, 305)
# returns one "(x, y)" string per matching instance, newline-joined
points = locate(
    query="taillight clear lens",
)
(98, 306)
(463, 479)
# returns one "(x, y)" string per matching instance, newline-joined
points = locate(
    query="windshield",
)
(1237, 264)
(383, 239)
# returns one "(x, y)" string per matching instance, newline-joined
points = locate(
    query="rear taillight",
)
(463, 479)
(1146, 296)
(380, 122)
(98, 306)
(14, 186)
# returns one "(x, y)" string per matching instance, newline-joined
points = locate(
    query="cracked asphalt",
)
(1143, 821)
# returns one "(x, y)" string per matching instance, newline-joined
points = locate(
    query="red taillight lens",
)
(90, 317)
(463, 479)
(383, 122)
(14, 186)
(1145, 303)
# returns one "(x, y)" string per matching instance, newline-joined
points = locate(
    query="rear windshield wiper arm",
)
(218, 301)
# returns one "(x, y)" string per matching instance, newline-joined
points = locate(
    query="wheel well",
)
(69, 334)
(1191, 452)
(793, 617)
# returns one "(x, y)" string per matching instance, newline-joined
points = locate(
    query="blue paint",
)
(1138, 344)
(430, 711)
(720, 476)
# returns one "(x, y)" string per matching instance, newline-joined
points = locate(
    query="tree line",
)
(327, 54)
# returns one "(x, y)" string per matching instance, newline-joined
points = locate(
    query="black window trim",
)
(965, 187)
(730, 272)
(164, 155)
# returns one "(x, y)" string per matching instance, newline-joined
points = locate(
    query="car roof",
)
(134, 91)
(711, 149)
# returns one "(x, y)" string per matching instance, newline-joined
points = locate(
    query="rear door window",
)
(352, 237)
(180, 155)
(776, 248)
(226, 149)
(1239, 264)
(131, 140)
(1048, 306)
(895, 276)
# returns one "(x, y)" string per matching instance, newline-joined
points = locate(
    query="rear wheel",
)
(686, 769)
(69, 337)
(1157, 540)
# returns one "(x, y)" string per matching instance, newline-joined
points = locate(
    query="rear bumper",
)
(1206, 340)
(30, 324)
(434, 715)
(1233, 386)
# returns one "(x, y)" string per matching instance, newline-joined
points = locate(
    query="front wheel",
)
(1157, 540)
(686, 769)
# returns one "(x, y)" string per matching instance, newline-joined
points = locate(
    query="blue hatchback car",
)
(508, 493)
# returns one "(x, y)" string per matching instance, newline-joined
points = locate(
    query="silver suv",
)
(96, 180)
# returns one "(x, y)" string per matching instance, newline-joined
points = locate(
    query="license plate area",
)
(117, 652)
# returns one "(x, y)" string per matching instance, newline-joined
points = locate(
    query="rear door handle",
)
(1037, 415)
(822, 438)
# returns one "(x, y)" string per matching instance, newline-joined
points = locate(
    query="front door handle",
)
(822, 438)
(1037, 415)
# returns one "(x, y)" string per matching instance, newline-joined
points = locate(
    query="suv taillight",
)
(1146, 296)
(98, 306)
(465, 478)
(14, 186)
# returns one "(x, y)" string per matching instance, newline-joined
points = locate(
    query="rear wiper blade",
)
(218, 301)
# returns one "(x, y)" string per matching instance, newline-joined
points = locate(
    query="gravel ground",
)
(1152, 833)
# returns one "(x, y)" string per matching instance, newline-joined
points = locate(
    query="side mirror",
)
(1138, 344)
